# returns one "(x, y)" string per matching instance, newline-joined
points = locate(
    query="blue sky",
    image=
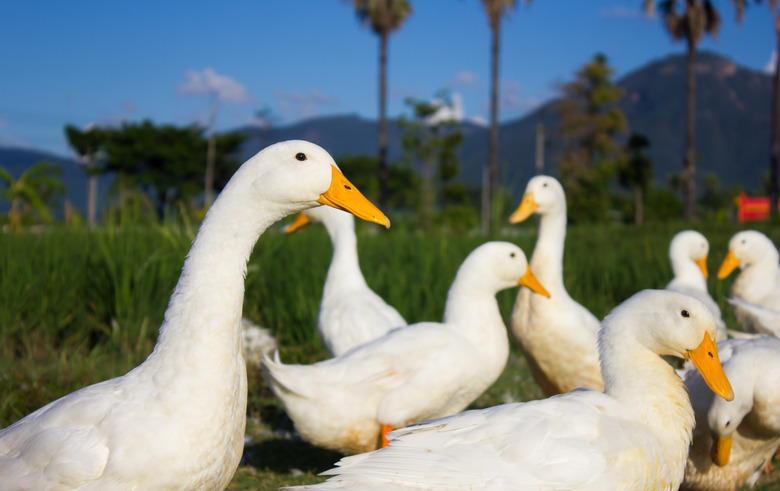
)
(80, 62)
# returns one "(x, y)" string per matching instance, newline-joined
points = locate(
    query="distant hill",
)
(732, 128)
(732, 133)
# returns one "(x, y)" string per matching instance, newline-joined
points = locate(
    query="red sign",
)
(752, 209)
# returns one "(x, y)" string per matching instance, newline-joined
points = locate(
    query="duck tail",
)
(280, 377)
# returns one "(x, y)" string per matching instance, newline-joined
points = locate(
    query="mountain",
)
(732, 129)
(732, 126)
(732, 116)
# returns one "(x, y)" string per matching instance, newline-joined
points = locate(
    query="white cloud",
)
(208, 82)
(770, 65)
(479, 121)
(7, 140)
(297, 105)
(511, 99)
(453, 112)
(463, 79)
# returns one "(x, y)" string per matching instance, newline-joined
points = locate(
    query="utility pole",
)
(539, 149)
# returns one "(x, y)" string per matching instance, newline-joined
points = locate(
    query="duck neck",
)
(688, 272)
(757, 279)
(647, 385)
(473, 312)
(547, 259)
(344, 271)
(203, 318)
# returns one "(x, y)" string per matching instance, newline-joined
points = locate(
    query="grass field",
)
(77, 307)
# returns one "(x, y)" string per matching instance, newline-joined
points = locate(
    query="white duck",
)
(177, 420)
(688, 253)
(557, 334)
(634, 435)
(351, 313)
(734, 441)
(416, 372)
(756, 290)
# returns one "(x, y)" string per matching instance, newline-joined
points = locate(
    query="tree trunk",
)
(774, 137)
(211, 151)
(539, 149)
(493, 146)
(14, 215)
(384, 175)
(689, 164)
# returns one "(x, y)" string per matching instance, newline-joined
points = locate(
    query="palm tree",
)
(385, 16)
(689, 22)
(37, 184)
(496, 10)
(88, 144)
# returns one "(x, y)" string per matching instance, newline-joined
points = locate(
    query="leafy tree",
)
(688, 20)
(88, 144)
(165, 162)
(37, 187)
(636, 172)
(433, 142)
(384, 16)
(662, 205)
(589, 126)
(495, 10)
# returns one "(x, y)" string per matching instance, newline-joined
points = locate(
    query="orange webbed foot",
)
(385, 430)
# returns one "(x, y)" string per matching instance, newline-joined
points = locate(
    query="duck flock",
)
(392, 396)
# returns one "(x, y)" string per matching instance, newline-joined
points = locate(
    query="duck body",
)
(757, 287)
(351, 313)
(749, 425)
(557, 335)
(634, 435)
(688, 251)
(177, 420)
(417, 372)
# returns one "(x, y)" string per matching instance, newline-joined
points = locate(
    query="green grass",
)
(77, 307)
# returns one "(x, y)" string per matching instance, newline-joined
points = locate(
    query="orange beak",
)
(529, 280)
(343, 195)
(299, 223)
(706, 359)
(730, 263)
(721, 451)
(526, 208)
(702, 263)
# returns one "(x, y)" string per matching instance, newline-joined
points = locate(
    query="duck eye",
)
(300, 156)
(511, 254)
(728, 423)
(685, 313)
(544, 185)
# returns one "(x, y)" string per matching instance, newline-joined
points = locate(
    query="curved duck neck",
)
(344, 270)
(204, 313)
(547, 259)
(472, 310)
(646, 384)
(688, 273)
